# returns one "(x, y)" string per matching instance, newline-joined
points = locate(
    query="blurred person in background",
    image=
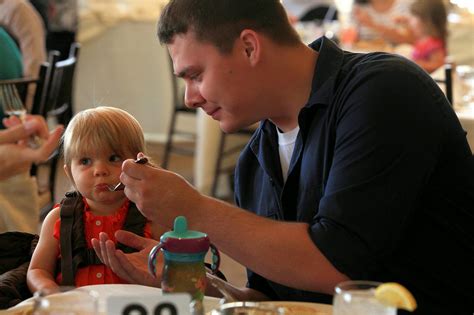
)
(63, 23)
(11, 66)
(378, 20)
(15, 155)
(310, 10)
(428, 22)
(20, 19)
(19, 199)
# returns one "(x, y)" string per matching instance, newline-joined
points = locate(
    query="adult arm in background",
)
(26, 25)
(398, 35)
(15, 156)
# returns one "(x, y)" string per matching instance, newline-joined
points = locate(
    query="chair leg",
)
(217, 169)
(169, 141)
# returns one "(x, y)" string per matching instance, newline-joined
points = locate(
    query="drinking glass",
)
(358, 298)
(68, 301)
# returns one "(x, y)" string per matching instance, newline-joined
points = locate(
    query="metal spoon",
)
(219, 284)
(120, 186)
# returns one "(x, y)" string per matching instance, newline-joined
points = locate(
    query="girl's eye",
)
(85, 161)
(115, 158)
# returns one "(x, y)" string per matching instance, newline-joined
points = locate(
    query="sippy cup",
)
(184, 251)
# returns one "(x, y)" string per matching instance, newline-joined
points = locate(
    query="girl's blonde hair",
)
(434, 15)
(102, 128)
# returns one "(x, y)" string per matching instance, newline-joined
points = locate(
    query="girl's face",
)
(93, 173)
(417, 26)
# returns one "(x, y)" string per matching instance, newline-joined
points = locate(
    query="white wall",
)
(126, 67)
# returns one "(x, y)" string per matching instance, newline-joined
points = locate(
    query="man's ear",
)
(251, 42)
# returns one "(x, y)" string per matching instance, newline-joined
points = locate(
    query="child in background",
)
(96, 142)
(429, 24)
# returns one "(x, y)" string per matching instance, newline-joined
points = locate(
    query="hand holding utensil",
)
(13, 106)
(120, 186)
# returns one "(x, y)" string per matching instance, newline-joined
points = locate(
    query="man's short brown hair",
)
(220, 22)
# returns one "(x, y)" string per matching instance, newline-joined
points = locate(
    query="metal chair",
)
(448, 82)
(57, 103)
(227, 156)
(178, 109)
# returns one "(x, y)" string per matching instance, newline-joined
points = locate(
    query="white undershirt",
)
(286, 145)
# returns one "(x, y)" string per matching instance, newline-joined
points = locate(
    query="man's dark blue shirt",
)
(382, 173)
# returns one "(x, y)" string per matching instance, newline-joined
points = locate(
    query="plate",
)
(302, 308)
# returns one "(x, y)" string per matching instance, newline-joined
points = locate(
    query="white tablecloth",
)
(103, 292)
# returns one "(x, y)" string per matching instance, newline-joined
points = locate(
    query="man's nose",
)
(192, 97)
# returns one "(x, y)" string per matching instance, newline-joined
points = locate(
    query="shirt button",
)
(98, 275)
(98, 223)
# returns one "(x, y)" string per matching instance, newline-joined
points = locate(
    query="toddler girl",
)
(429, 24)
(96, 142)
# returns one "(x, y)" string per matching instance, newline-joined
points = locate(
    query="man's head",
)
(229, 54)
(220, 22)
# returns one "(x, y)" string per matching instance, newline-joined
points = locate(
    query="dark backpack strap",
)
(135, 223)
(74, 251)
(68, 206)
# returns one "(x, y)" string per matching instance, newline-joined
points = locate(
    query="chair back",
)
(43, 86)
(59, 99)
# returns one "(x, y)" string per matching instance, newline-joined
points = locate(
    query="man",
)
(378, 183)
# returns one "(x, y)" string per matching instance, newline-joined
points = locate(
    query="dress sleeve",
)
(57, 229)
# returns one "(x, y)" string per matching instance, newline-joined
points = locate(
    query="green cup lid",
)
(180, 231)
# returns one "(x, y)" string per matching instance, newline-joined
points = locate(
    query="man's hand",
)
(159, 194)
(130, 267)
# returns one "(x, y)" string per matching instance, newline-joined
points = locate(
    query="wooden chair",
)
(179, 108)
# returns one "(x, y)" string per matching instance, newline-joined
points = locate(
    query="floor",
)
(234, 272)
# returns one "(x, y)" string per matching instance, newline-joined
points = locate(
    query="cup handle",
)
(152, 259)
(216, 259)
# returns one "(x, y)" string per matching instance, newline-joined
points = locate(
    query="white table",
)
(103, 292)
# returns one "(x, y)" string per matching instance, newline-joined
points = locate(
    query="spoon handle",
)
(142, 160)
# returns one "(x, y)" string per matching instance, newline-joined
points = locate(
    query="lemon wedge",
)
(396, 295)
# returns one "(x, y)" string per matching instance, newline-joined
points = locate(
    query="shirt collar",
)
(328, 66)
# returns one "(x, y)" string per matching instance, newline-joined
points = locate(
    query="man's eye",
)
(85, 161)
(115, 158)
(195, 77)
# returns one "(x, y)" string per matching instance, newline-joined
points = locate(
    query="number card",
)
(149, 304)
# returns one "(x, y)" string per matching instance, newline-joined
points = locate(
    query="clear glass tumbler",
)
(358, 298)
(68, 301)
